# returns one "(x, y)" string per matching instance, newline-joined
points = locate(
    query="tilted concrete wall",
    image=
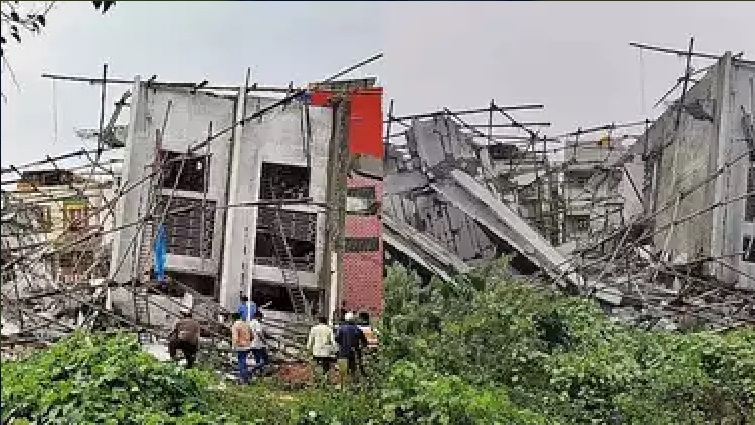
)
(682, 166)
(705, 145)
(439, 143)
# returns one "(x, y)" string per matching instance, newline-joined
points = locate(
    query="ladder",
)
(145, 248)
(285, 260)
(140, 294)
(141, 313)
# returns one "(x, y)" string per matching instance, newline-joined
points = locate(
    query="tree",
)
(16, 20)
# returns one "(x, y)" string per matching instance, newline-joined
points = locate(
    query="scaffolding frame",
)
(614, 250)
(30, 302)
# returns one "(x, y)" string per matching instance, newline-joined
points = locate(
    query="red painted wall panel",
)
(366, 122)
(320, 98)
(363, 282)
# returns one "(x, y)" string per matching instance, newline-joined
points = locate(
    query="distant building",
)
(594, 192)
(64, 206)
(530, 181)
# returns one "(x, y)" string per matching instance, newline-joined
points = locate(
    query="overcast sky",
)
(572, 57)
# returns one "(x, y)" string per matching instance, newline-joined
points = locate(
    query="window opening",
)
(191, 177)
(284, 181)
(369, 244)
(183, 227)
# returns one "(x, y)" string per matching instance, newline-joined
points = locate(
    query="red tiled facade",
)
(363, 271)
(362, 288)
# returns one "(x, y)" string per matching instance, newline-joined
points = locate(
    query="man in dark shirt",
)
(247, 309)
(350, 341)
(185, 337)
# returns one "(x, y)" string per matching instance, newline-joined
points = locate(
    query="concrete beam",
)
(426, 251)
(404, 182)
(477, 202)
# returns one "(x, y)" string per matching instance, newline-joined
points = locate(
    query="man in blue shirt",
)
(350, 340)
(247, 309)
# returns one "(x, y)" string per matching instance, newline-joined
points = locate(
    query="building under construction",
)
(268, 192)
(296, 197)
(54, 208)
(261, 209)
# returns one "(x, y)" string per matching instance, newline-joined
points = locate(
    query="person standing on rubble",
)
(321, 343)
(241, 341)
(185, 337)
(350, 340)
(259, 346)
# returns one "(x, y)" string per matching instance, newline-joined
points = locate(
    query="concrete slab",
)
(427, 252)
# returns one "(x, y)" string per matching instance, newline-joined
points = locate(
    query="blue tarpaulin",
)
(160, 249)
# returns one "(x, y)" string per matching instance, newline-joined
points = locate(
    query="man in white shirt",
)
(259, 347)
(321, 342)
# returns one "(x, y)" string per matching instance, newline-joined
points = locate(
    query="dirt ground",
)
(301, 374)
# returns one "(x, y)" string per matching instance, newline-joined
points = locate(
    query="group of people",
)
(247, 336)
(345, 345)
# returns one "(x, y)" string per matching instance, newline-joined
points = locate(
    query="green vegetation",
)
(564, 359)
(97, 379)
(480, 350)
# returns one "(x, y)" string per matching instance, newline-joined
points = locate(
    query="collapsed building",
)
(291, 198)
(657, 220)
(441, 182)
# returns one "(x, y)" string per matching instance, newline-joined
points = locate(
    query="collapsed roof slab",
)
(424, 250)
(447, 162)
(404, 182)
(499, 219)
(462, 191)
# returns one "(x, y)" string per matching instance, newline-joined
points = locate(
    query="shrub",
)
(561, 356)
(482, 349)
(96, 379)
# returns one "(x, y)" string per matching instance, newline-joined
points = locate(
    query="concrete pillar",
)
(127, 207)
(231, 274)
(721, 141)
